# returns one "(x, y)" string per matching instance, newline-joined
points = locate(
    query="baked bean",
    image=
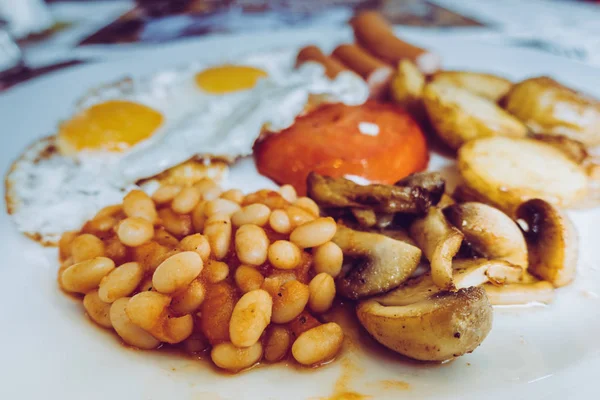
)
(138, 204)
(212, 193)
(234, 359)
(251, 244)
(85, 276)
(189, 300)
(175, 329)
(196, 343)
(120, 282)
(269, 198)
(220, 206)
(164, 238)
(135, 231)
(186, 200)
(278, 343)
(177, 271)
(298, 216)
(288, 192)
(216, 271)
(308, 204)
(319, 344)
(205, 184)
(176, 224)
(314, 233)
(322, 292)
(248, 278)
(217, 230)
(115, 250)
(150, 255)
(289, 301)
(109, 211)
(198, 217)
(85, 247)
(216, 310)
(328, 258)
(147, 309)
(284, 255)
(63, 267)
(96, 309)
(64, 244)
(250, 317)
(198, 243)
(257, 214)
(234, 195)
(166, 193)
(280, 221)
(128, 331)
(101, 224)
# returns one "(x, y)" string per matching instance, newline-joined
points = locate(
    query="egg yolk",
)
(114, 126)
(228, 78)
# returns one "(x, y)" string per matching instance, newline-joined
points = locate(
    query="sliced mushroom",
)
(440, 242)
(520, 293)
(489, 232)
(440, 327)
(551, 240)
(374, 263)
(432, 182)
(400, 198)
(369, 218)
(466, 273)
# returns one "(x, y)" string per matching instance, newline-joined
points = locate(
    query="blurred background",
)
(38, 36)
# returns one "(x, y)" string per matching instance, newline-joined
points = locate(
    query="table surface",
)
(101, 30)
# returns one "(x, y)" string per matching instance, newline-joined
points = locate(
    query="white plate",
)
(51, 350)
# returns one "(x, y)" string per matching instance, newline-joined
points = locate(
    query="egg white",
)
(55, 194)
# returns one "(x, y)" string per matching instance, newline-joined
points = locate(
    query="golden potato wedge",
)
(407, 88)
(492, 87)
(508, 171)
(546, 106)
(458, 115)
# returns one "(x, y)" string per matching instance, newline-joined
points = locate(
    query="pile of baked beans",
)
(242, 276)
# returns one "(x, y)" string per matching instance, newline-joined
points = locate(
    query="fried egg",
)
(136, 129)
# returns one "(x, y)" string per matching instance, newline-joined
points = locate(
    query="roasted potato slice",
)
(458, 115)
(492, 87)
(552, 242)
(572, 148)
(407, 88)
(508, 171)
(547, 106)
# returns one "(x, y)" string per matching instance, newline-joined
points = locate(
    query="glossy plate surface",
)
(51, 350)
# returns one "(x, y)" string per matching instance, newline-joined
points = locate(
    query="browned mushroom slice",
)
(440, 242)
(343, 193)
(551, 240)
(374, 263)
(489, 231)
(432, 182)
(439, 327)
(467, 273)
